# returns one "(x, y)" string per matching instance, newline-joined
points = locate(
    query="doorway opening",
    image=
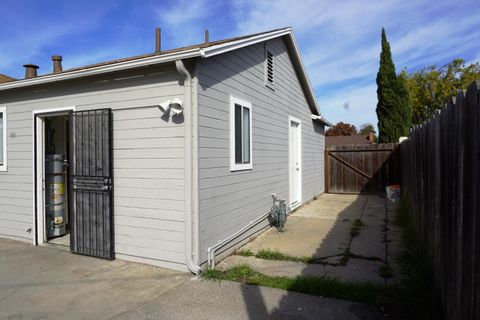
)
(52, 180)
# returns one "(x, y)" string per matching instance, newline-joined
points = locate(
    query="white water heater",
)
(55, 195)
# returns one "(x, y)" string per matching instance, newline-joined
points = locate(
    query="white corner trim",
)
(236, 166)
(3, 110)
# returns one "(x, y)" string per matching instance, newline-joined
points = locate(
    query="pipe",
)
(158, 40)
(57, 64)
(30, 70)
(191, 216)
(206, 36)
(211, 250)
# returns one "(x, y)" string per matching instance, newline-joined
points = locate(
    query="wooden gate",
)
(361, 169)
(91, 183)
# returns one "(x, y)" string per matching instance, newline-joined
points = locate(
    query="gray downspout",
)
(191, 216)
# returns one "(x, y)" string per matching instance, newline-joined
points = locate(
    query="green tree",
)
(430, 87)
(393, 107)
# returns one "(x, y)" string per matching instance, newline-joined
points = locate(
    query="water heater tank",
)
(55, 195)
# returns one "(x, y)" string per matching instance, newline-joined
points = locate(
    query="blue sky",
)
(339, 40)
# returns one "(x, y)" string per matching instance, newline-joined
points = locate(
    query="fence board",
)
(441, 173)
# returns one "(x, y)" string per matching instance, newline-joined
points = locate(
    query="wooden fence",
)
(364, 169)
(441, 174)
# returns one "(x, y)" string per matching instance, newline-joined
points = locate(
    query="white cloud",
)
(28, 44)
(183, 20)
(340, 42)
(361, 101)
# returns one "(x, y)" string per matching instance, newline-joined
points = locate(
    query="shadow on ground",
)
(322, 230)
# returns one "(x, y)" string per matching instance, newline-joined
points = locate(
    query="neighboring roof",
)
(336, 140)
(5, 78)
(203, 50)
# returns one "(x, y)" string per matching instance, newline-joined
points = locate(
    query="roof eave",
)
(191, 53)
(186, 54)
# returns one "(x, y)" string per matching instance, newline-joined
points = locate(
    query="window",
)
(269, 68)
(240, 134)
(3, 139)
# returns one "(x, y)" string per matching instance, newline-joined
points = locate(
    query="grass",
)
(370, 293)
(417, 290)
(357, 225)
(268, 254)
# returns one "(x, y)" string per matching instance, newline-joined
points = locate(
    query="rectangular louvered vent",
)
(269, 69)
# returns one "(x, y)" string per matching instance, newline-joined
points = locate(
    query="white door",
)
(295, 163)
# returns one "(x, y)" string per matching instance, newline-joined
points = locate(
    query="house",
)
(355, 139)
(164, 158)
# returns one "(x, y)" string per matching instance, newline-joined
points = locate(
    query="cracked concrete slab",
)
(302, 236)
(321, 229)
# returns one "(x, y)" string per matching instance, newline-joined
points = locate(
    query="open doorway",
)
(73, 180)
(52, 160)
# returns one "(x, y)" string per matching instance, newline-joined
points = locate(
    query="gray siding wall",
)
(230, 200)
(148, 162)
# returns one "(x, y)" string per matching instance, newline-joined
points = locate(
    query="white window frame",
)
(267, 83)
(3, 111)
(233, 165)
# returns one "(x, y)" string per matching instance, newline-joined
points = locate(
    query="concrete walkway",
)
(322, 230)
(46, 283)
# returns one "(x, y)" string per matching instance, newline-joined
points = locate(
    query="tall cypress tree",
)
(393, 107)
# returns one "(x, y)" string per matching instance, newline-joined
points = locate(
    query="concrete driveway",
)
(46, 283)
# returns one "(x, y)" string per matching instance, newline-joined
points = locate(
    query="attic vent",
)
(269, 75)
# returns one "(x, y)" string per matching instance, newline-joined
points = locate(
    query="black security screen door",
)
(91, 183)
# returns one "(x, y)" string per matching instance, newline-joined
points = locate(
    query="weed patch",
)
(267, 254)
(320, 286)
(357, 225)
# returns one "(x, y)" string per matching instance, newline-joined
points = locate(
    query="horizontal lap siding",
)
(230, 200)
(148, 164)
